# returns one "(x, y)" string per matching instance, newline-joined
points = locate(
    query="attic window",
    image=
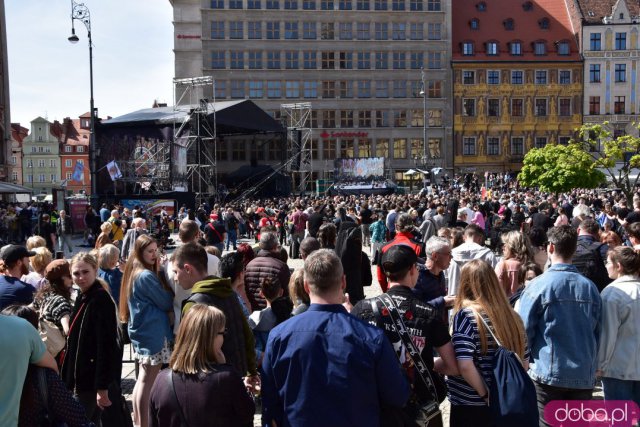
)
(508, 24)
(544, 23)
(474, 24)
(622, 16)
(482, 6)
(591, 14)
(527, 6)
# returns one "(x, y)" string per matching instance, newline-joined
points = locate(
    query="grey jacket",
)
(619, 339)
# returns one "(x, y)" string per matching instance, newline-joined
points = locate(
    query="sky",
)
(49, 76)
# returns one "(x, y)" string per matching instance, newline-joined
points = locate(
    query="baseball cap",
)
(57, 269)
(12, 253)
(398, 258)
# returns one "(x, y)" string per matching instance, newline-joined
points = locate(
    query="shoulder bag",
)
(50, 333)
(183, 420)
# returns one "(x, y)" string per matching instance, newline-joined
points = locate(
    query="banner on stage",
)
(114, 170)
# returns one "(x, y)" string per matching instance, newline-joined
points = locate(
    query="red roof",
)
(18, 133)
(74, 134)
(528, 17)
(594, 10)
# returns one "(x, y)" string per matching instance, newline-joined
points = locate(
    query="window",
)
(382, 147)
(399, 31)
(364, 89)
(468, 146)
(594, 73)
(416, 31)
(29, 163)
(382, 60)
(493, 146)
(309, 30)
(309, 62)
(235, 4)
(416, 5)
(217, 29)
(400, 118)
(41, 163)
(292, 89)
(516, 107)
(217, 61)
(541, 77)
(380, 4)
(517, 77)
(328, 89)
(467, 48)
(291, 30)
(309, 5)
(594, 105)
(53, 177)
(254, 4)
(399, 88)
(238, 150)
(273, 30)
(329, 119)
(347, 148)
(595, 41)
(621, 73)
(41, 177)
(544, 23)
(217, 4)
(345, 5)
(29, 178)
(541, 142)
(492, 48)
(508, 24)
(236, 30)
(399, 60)
(399, 148)
(434, 31)
(619, 105)
(310, 89)
(621, 41)
(564, 77)
(541, 106)
(364, 144)
(237, 89)
(14, 176)
(274, 89)
(397, 4)
(468, 77)
(273, 60)
(346, 31)
(48, 149)
(52, 163)
(255, 60)
(474, 24)
(433, 5)
(14, 159)
(329, 149)
(382, 31)
(291, 4)
(382, 119)
(417, 120)
(564, 140)
(237, 59)
(527, 6)
(434, 60)
(364, 60)
(255, 30)
(517, 146)
(435, 88)
(564, 109)
(481, 6)
(327, 31)
(346, 60)
(382, 89)
(273, 4)
(80, 161)
(346, 89)
(69, 149)
(362, 5)
(326, 4)
(346, 119)
(291, 60)
(493, 77)
(364, 30)
(563, 48)
(435, 118)
(40, 149)
(221, 89)
(256, 90)
(469, 107)
(493, 107)
(515, 48)
(539, 48)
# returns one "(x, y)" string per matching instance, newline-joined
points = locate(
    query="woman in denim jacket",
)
(618, 362)
(145, 303)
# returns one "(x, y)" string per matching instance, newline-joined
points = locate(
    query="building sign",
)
(332, 134)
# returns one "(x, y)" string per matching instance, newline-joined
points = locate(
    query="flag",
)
(114, 170)
(78, 172)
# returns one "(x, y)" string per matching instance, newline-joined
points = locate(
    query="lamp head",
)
(421, 93)
(73, 38)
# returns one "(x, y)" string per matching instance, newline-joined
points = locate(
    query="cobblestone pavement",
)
(129, 371)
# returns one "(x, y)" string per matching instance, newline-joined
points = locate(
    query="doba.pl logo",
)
(591, 413)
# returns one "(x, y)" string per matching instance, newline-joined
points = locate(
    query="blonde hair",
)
(90, 259)
(193, 352)
(480, 291)
(108, 255)
(35, 242)
(41, 259)
(517, 245)
(106, 227)
(296, 288)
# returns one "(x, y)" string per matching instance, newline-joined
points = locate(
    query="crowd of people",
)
(222, 327)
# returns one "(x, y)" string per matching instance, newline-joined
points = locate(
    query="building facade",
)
(611, 49)
(41, 158)
(18, 134)
(74, 150)
(358, 62)
(517, 82)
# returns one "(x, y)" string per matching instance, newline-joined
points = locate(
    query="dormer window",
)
(515, 48)
(481, 7)
(622, 16)
(474, 24)
(544, 23)
(492, 48)
(563, 47)
(539, 48)
(508, 24)
(467, 48)
(527, 6)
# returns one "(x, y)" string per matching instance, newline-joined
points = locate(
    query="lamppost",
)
(81, 13)
(423, 92)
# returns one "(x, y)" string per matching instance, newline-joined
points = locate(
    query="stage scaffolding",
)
(297, 119)
(194, 163)
(148, 168)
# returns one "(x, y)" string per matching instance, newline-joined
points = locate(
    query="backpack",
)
(590, 264)
(512, 394)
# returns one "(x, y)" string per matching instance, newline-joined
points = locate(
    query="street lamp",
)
(423, 92)
(81, 13)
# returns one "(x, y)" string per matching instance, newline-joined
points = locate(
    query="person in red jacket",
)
(404, 236)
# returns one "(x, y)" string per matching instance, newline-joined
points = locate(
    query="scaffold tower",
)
(297, 119)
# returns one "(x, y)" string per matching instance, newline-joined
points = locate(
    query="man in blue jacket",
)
(561, 310)
(325, 367)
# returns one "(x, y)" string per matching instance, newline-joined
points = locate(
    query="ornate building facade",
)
(517, 82)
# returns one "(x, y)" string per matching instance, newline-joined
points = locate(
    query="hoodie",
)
(471, 250)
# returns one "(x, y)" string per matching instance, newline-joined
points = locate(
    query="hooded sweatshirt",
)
(470, 250)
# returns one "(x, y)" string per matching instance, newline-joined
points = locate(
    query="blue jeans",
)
(232, 237)
(615, 389)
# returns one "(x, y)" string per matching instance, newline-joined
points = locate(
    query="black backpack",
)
(590, 264)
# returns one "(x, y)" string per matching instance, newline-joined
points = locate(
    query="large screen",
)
(360, 167)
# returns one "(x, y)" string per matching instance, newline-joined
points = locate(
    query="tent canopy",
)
(8, 188)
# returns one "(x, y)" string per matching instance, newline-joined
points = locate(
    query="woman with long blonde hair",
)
(480, 294)
(208, 392)
(145, 303)
(517, 251)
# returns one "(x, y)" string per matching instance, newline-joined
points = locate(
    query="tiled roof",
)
(74, 134)
(594, 10)
(528, 19)
(18, 133)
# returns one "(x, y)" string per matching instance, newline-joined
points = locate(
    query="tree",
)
(617, 157)
(559, 168)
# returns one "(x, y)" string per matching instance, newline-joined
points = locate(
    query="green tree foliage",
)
(559, 168)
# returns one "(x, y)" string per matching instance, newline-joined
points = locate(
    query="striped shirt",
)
(467, 346)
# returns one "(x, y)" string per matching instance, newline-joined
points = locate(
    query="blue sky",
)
(49, 76)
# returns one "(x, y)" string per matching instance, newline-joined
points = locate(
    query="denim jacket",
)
(561, 311)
